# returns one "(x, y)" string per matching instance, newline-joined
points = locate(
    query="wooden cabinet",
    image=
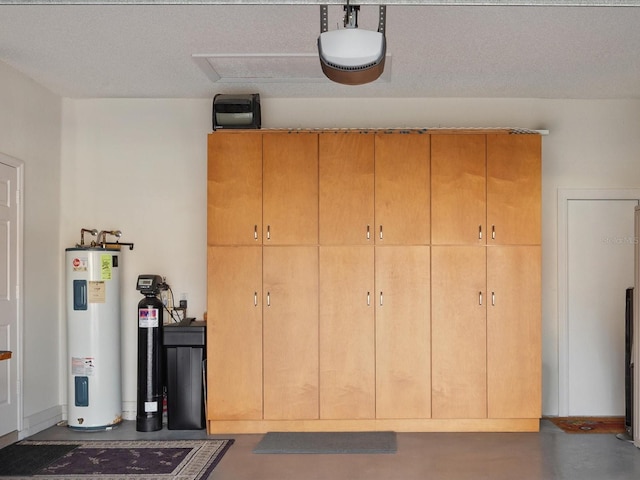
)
(290, 332)
(486, 332)
(403, 332)
(252, 177)
(234, 192)
(373, 280)
(402, 193)
(347, 326)
(374, 189)
(290, 188)
(459, 332)
(375, 336)
(234, 333)
(346, 165)
(514, 189)
(458, 189)
(262, 335)
(514, 345)
(485, 189)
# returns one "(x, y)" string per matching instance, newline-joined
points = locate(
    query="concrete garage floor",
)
(548, 455)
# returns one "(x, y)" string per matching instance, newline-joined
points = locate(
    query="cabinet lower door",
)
(459, 348)
(347, 335)
(234, 333)
(290, 325)
(403, 332)
(514, 332)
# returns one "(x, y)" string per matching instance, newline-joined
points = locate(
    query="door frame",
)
(564, 196)
(17, 355)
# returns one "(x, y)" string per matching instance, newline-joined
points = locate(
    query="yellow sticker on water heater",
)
(105, 266)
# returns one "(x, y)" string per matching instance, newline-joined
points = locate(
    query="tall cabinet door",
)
(459, 339)
(290, 182)
(346, 188)
(458, 190)
(402, 194)
(514, 189)
(234, 210)
(514, 332)
(234, 333)
(347, 340)
(290, 325)
(403, 332)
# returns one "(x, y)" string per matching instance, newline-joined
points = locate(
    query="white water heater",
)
(93, 337)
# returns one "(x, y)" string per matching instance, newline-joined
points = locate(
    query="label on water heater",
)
(79, 264)
(84, 366)
(97, 292)
(148, 317)
(150, 407)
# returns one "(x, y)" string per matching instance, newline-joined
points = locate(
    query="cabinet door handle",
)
(381, 302)
(380, 232)
(268, 232)
(255, 299)
(493, 299)
(479, 232)
(268, 299)
(493, 232)
(368, 299)
(255, 232)
(480, 298)
(368, 233)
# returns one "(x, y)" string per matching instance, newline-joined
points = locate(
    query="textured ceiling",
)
(450, 49)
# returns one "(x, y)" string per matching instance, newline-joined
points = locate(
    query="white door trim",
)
(564, 196)
(17, 355)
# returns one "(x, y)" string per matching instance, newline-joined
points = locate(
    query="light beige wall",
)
(140, 166)
(30, 126)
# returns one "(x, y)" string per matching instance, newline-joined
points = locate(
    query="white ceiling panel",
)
(439, 49)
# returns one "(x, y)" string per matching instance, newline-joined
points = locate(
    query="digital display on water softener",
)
(149, 283)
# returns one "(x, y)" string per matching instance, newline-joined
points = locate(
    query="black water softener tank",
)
(150, 368)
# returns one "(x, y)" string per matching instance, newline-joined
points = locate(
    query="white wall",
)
(140, 166)
(30, 127)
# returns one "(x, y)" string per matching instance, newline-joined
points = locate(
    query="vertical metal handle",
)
(480, 298)
(368, 233)
(381, 303)
(479, 232)
(368, 299)
(268, 232)
(493, 299)
(493, 232)
(268, 299)
(255, 299)
(380, 232)
(255, 232)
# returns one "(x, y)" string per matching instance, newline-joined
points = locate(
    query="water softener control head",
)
(149, 284)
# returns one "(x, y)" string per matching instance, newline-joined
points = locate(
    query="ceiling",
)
(580, 49)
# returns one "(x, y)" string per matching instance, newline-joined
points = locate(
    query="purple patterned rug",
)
(118, 459)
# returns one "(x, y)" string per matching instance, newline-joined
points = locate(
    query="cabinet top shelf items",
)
(426, 131)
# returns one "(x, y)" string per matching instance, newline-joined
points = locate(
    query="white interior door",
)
(600, 252)
(8, 297)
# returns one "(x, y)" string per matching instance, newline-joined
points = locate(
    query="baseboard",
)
(41, 421)
(52, 416)
(8, 439)
(129, 410)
